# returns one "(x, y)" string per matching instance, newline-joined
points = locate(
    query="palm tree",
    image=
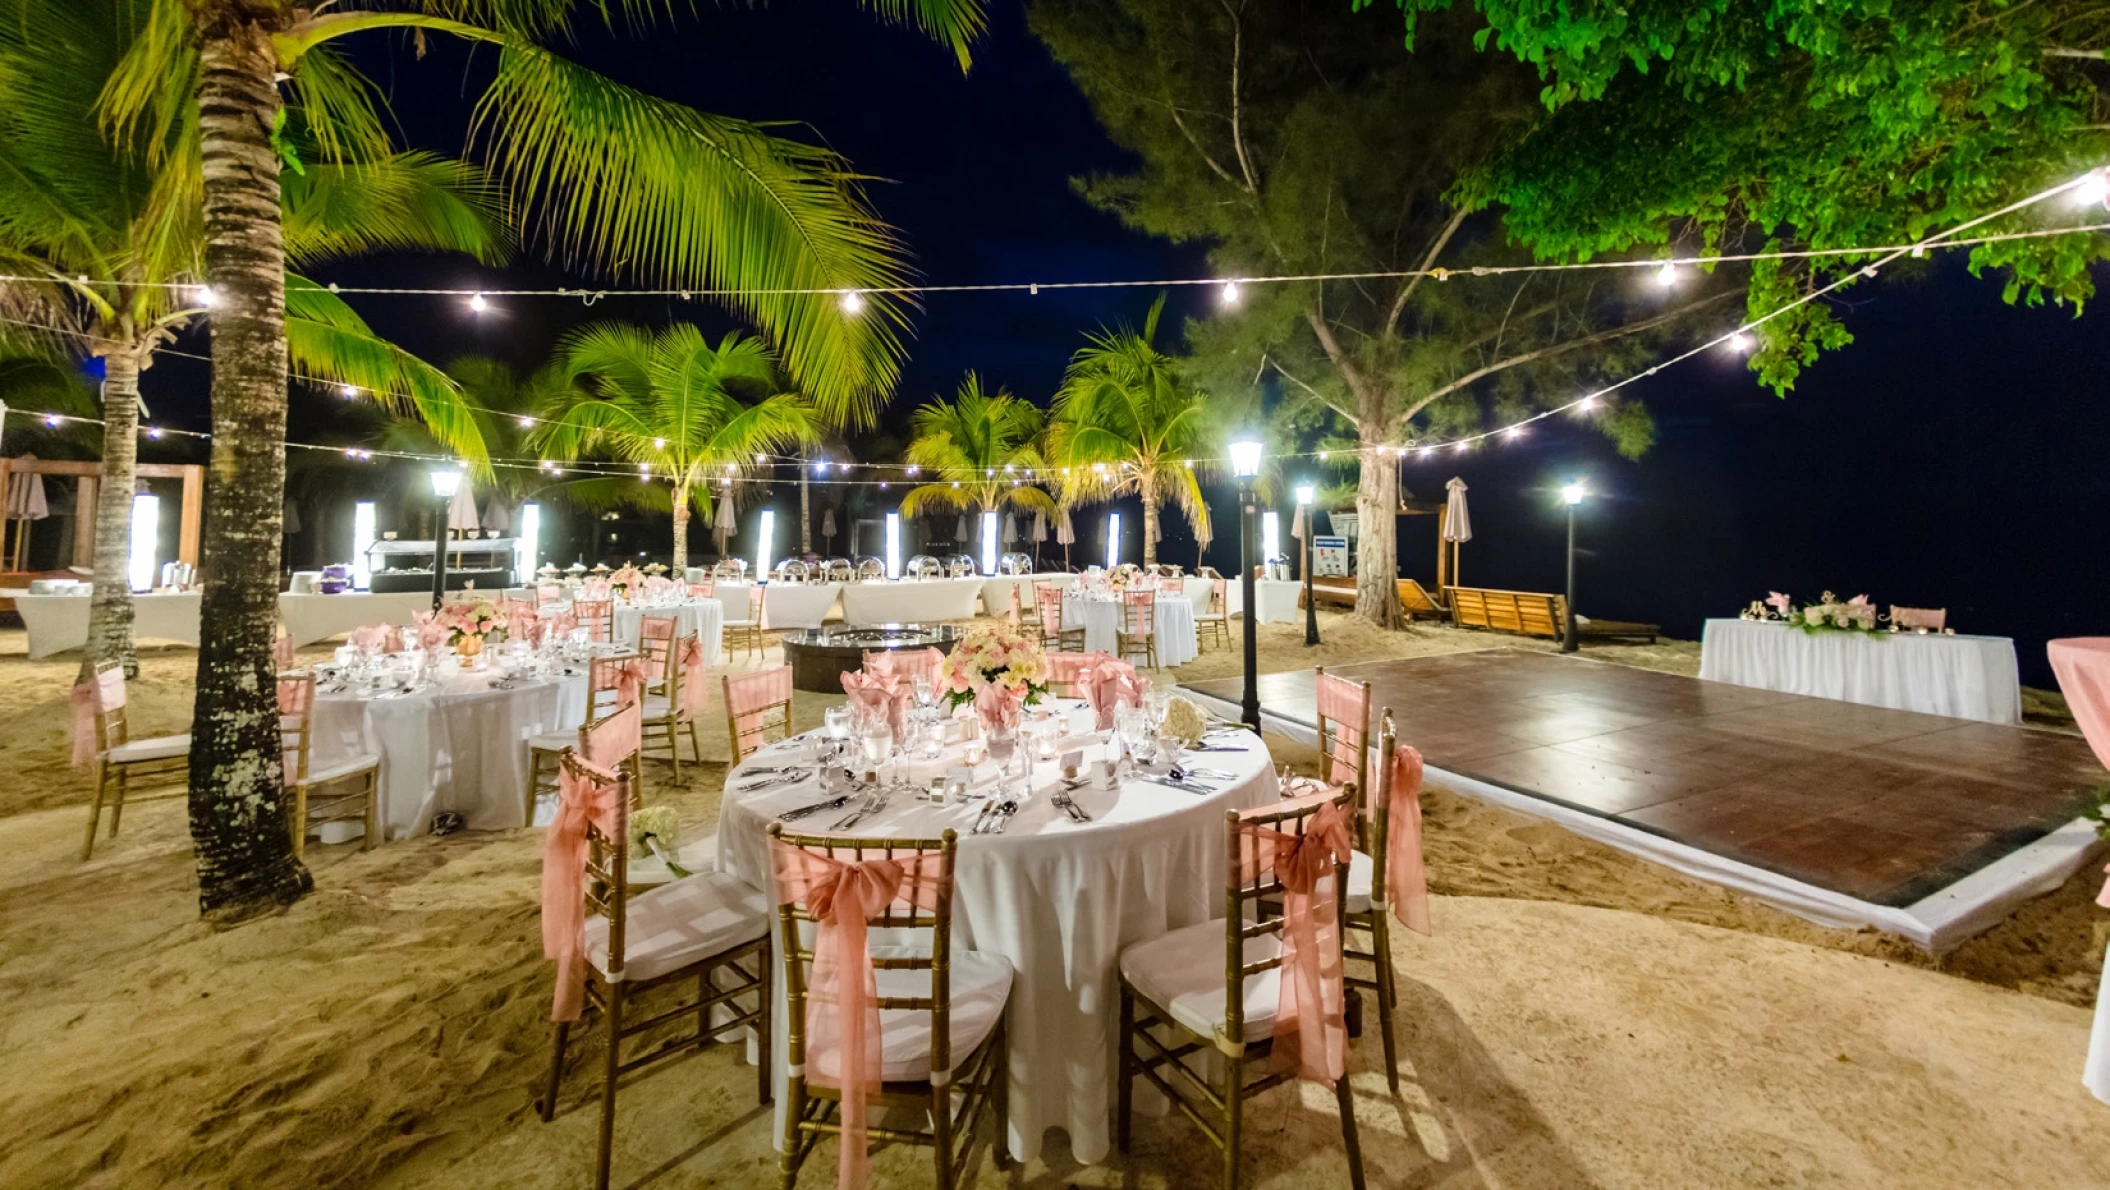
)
(115, 248)
(983, 450)
(1126, 421)
(612, 176)
(678, 407)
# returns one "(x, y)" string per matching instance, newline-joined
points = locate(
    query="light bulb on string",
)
(153, 432)
(1740, 342)
(659, 444)
(347, 391)
(206, 296)
(760, 459)
(1230, 293)
(525, 422)
(2093, 190)
(1586, 404)
(1666, 275)
(477, 304)
(852, 303)
(51, 419)
(913, 469)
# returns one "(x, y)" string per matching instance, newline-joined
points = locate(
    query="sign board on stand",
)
(1329, 554)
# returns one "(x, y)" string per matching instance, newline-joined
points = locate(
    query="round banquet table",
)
(462, 746)
(1102, 619)
(1059, 899)
(692, 616)
(2082, 665)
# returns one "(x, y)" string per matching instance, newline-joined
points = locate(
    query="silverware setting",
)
(874, 802)
(1063, 803)
(798, 812)
(785, 777)
(1182, 786)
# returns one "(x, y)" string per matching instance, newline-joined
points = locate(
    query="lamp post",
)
(1573, 494)
(1245, 464)
(445, 482)
(1305, 494)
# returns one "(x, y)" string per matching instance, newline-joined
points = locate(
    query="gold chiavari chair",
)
(1344, 738)
(757, 709)
(123, 766)
(1138, 627)
(669, 712)
(1047, 600)
(655, 642)
(747, 629)
(604, 697)
(1066, 672)
(597, 617)
(1363, 905)
(688, 933)
(1216, 622)
(1173, 1006)
(340, 791)
(941, 1009)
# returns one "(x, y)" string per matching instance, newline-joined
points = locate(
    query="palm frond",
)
(327, 341)
(415, 202)
(953, 23)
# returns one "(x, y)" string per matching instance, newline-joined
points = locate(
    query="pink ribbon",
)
(1406, 880)
(999, 705)
(525, 624)
(1108, 683)
(282, 652)
(384, 637)
(842, 1010)
(560, 624)
(1013, 614)
(431, 633)
(1311, 1029)
(83, 723)
(631, 675)
(591, 796)
(691, 662)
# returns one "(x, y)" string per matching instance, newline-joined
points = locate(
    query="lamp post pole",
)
(1305, 493)
(1245, 461)
(1573, 494)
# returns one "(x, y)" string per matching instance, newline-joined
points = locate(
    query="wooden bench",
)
(1528, 612)
(1418, 603)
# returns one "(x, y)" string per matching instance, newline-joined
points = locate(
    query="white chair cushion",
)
(350, 767)
(1183, 973)
(1361, 870)
(740, 623)
(655, 706)
(981, 986)
(677, 924)
(555, 741)
(161, 747)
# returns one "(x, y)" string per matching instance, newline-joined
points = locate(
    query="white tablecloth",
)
(1276, 599)
(697, 615)
(1964, 677)
(996, 592)
(461, 747)
(1102, 619)
(910, 601)
(310, 618)
(56, 623)
(797, 605)
(1059, 899)
(1197, 590)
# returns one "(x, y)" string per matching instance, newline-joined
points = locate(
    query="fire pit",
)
(820, 656)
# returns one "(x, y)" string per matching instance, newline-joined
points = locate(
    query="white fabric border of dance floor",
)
(1937, 923)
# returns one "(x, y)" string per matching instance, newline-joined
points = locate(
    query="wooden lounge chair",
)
(1419, 604)
(1534, 613)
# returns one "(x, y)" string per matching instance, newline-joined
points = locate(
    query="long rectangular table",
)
(914, 601)
(1963, 677)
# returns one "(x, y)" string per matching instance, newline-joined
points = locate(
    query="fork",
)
(873, 803)
(1067, 805)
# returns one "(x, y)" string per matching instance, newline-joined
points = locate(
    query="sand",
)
(1581, 1018)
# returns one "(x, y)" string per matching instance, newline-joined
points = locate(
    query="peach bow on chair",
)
(692, 675)
(590, 796)
(282, 651)
(1311, 1030)
(1406, 878)
(842, 1008)
(1108, 683)
(632, 675)
(525, 624)
(99, 695)
(560, 624)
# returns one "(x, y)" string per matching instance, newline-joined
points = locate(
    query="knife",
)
(815, 808)
(1169, 783)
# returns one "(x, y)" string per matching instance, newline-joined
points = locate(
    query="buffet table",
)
(1963, 677)
(56, 623)
(310, 618)
(1056, 898)
(1277, 599)
(915, 601)
(462, 746)
(1101, 619)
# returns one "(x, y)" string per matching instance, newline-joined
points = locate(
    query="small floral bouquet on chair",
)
(997, 670)
(656, 829)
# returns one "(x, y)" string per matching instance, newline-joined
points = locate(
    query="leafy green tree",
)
(1126, 420)
(613, 179)
(1711, 126)
(671, 402)
(113, 246)
(982, 450)
(1292, 141)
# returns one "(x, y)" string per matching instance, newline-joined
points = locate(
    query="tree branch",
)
(1316, 395)
(2060, 51)
(1245, 164)
(1399, 304)
(1208, 160)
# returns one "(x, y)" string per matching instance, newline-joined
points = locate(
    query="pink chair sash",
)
(705, 589)
(1108, 683)
(1066, 671)
(1050, 600)
(545, 595)
(631, 674)
(749, 695)
(1406, 879)
(282, 652)
(386, 638)
(842, 1010)
(589, 797)
(597, 590)
(614, 739)
(104, 694)
(1139, 612)
(692, 675)
(525, 625)
(598, 615)
(1012, 615)
(1344, 703)
(905, 664)
(1311, 1028)
(296, 699)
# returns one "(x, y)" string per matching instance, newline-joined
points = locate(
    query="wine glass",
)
(836, 722)
(875, 738)
(926, 692)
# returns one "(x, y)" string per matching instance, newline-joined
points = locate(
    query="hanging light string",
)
(2092, 187)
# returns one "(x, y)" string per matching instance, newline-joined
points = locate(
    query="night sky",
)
(1952, 457)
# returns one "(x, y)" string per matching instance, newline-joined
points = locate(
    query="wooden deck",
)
(1880, 805)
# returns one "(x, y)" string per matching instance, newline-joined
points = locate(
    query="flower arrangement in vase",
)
(997, 670)
(1828, 614)
(469, 625)
(629, 581)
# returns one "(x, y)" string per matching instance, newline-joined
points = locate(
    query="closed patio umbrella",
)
(1066, 536)
(25, 503)
(960, 534)
(725, 523)
(497, 515)
(828, 528)
(1457, 527)
(1038, 533)
(461, 511)
(1010, 528)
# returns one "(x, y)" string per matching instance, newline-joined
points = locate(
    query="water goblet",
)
(836, 722)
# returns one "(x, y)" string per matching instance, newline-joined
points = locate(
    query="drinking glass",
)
(926, 694)
(836, 721)
(876, 739)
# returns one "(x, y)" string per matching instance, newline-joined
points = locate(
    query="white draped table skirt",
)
(1101, 619)
(1963, 677)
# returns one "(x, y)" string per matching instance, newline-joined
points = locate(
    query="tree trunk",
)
(110, 612)
(237, 812)
(681, 530)
(1150, 523)
(805, 513)
(1377, 544)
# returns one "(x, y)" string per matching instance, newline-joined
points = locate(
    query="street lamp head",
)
(1245, 458)
(445, 482)
(1306, 493)
(1572, 493)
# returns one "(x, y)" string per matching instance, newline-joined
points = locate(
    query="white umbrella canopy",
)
(959, 533)
(828, 523)
(1039, 532)
(497, 515)
(725, 523)
(1457, 526)
(1065, 532)
(1010, 528)
(461, 511)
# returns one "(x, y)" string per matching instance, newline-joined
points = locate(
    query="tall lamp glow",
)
(1572, 494)
(445, 482)
(1306, 493)
(1245, 464)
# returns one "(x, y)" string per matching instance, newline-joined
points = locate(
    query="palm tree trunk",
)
(681, 530)
(1377, 547)
(1150, 522)
(237, 815)
(805, 513)
(110, 612)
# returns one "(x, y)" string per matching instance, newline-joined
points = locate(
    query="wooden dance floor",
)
(1883, 806)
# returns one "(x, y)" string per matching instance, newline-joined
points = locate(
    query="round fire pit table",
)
(820, 656)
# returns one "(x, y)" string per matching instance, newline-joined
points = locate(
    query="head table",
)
(1057, 898)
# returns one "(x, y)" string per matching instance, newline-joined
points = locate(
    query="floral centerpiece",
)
(1828, 614)
(1184, 721)
(628, 581)
(997, 670)
(469, 624)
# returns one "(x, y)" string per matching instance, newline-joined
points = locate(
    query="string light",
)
(1230, 293)
(659, 444)
(51, 419)
(153, 433)
(2093, 189)
(347, 391)
(525, 422)
(853, 302)
(477, 304)
(1667, 275)
(1740, 342)
(206, 296)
